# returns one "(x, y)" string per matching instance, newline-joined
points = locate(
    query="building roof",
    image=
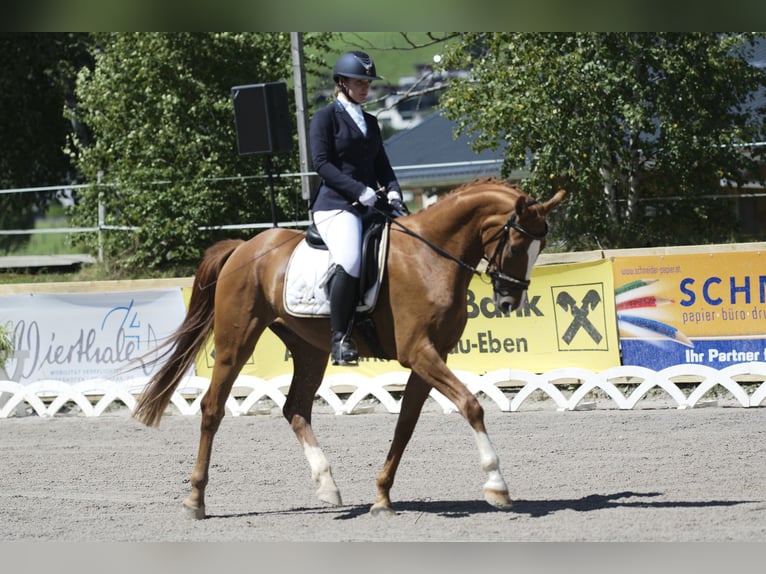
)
(428, 155)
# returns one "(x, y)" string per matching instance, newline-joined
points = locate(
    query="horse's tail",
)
(188, 339)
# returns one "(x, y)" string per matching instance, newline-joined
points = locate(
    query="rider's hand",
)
(368, 197)
(395, 201)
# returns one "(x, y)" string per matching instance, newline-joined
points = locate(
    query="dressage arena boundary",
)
(687, 385)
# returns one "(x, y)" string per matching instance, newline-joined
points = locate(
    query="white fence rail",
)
(101, 226)
(685, 386)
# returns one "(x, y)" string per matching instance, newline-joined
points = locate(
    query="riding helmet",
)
(355, 64)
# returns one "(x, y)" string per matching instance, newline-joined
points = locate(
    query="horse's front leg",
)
(415, 393)
(309, 365)
(495, 489)
(435, 372)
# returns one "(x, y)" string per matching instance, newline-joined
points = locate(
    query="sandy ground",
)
(652, 474)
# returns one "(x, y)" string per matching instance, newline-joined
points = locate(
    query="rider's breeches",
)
(342, 233)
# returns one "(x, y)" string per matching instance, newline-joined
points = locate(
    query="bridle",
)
(502, 283)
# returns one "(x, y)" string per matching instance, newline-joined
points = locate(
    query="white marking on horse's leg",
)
(495, 489)
(322, 474)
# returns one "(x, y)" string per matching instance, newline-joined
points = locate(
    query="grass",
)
(49, 243)
(62, 244)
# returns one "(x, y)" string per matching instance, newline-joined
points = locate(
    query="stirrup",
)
(344, 351)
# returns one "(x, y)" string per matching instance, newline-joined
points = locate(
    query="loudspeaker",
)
(262, 118)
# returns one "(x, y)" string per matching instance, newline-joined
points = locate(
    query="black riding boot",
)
(343, 296)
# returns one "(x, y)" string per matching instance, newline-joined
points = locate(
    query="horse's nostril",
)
(506, 304)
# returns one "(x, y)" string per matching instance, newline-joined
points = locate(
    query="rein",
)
(501, 235)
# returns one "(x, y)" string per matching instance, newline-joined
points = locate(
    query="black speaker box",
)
(262, 117)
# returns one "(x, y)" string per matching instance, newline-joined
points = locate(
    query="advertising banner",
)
(703, 308)
(72, 337)
(568, 320)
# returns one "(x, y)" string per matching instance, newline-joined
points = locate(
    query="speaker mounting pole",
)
(270, 173)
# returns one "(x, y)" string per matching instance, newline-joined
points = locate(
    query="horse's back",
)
(265, 255)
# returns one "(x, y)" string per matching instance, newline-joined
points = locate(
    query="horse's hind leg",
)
(232, 349)
(309, 365)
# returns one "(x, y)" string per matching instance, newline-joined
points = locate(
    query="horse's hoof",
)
(330, 496)
(498, 498)
(196, 513)
(381, 510)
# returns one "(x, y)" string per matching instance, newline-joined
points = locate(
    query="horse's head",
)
(517, 245)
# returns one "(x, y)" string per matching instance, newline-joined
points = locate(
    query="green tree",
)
(626, 119)
(158, 106)
(36, 83)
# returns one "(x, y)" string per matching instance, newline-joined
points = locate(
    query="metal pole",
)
(270, 171)
(101, 217)
(299, 79)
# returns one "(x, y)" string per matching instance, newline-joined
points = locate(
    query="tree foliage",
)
(36, 82)
(628, 120)
(163, 146)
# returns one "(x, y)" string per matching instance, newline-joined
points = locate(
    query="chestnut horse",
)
(419, 317)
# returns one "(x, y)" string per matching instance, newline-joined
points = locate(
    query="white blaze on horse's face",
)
(532, 254)
(511, 294)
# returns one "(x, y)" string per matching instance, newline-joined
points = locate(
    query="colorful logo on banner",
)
(707, 309)
(568, 320)
(72, 337)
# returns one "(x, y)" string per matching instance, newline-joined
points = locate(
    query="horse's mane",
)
(479, 184)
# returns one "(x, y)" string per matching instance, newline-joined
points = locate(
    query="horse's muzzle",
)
(508, 303)
(509, 292)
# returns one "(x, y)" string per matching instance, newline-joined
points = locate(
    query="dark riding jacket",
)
(347, 161)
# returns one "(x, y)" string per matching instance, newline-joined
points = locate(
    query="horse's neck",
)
(456, 222)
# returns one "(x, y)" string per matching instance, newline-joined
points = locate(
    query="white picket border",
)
(347, 393)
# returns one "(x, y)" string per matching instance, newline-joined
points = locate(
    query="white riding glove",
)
(368, 197)
(395, 201)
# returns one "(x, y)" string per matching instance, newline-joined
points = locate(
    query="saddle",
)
(310, 268)
(372, 238)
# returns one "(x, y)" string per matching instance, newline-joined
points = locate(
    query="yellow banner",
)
(568, 320)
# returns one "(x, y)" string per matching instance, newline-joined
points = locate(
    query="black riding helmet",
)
(354, 64)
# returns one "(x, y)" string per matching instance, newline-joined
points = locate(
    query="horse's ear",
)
(555, 200)
(521, 206)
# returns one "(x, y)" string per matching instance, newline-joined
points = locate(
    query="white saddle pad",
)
(308, 272)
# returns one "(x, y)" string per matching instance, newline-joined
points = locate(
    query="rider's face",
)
(358, 89)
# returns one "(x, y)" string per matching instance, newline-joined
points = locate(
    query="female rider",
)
(348, 154)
